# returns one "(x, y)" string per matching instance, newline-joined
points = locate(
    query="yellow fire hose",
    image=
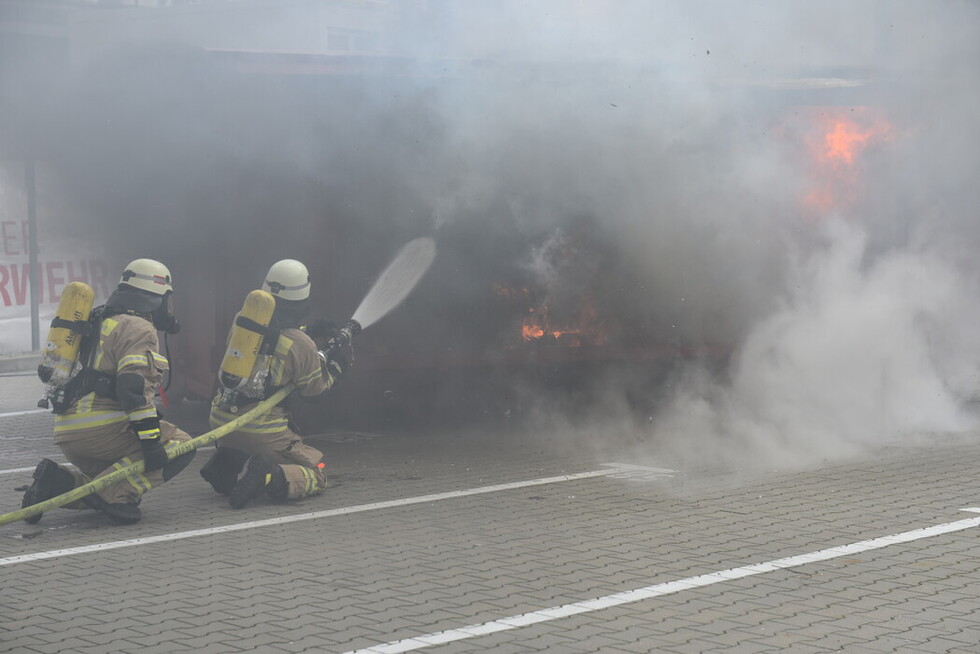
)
(172, 452)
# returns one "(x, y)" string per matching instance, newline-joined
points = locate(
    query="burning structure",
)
(615, 192)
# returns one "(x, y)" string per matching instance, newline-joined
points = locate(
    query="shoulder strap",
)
(83, 327)
(90, 341)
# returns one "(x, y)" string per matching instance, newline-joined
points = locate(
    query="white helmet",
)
(288, 279)
(147, 275)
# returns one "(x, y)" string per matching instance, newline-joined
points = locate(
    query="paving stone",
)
(360, 579)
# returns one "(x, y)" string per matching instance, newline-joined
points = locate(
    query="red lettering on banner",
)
(54, 296)
(72, 277)
(14, 243)
(9, 241)
(53, 276)
(4, 278)
(19, 275)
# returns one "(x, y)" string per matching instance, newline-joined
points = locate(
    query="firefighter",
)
(280, 464)
(111, 421)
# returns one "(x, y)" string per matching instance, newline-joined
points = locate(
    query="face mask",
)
(163, 317)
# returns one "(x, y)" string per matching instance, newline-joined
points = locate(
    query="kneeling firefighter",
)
(279, 463)
(105, 417)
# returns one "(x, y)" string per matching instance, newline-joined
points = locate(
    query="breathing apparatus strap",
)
(269, 344)
(83, 327)
(87, 379)
(258, 328)
(166, 353)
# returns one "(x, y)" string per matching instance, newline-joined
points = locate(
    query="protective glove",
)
(343, 355)
(148, 431)
(337, 359)
(322, 331)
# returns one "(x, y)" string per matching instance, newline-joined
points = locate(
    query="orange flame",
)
(844, 134)
(531, 332)
(844, 141)
(537, 324)
(532, 329)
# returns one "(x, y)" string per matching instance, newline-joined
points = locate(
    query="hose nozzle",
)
(344, 335)
(351, 329)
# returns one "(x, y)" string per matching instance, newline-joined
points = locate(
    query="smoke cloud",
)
(862, 353)
(649, 172)
(849, 320)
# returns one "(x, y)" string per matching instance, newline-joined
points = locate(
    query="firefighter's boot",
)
(50, 480)
(261, 474)
(278, 488)
(223, 468)
(121, 513)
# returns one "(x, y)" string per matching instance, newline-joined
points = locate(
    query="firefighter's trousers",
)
(299, 461)
(99, 452)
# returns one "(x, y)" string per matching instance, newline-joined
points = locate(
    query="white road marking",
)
(13, 470)
(11, 414)
(658, 590)
(612, 468)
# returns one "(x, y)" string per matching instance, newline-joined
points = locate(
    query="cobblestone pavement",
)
(484, 542)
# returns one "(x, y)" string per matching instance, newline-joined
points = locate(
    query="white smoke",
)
(860, 354)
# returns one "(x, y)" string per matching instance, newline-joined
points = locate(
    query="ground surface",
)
(470, 543)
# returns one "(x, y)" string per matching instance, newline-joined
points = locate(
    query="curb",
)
(19, 362)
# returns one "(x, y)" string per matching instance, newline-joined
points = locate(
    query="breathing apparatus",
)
(144, 289)
(282, 302)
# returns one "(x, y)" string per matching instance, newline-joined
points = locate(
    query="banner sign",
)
(57, 266)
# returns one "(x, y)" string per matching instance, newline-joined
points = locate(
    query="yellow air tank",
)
(60, 353)
(245, 338)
